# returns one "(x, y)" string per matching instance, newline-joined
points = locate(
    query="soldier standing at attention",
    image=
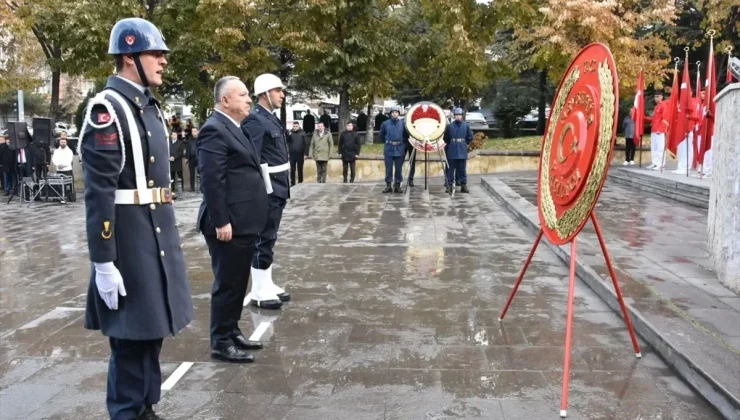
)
(393, 134)
(268, 134)
(457, 138)
(139, 291)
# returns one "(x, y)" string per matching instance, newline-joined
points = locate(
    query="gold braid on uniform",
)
(572, 218)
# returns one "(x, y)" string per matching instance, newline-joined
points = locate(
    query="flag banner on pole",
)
(678, 130)
(639, 109)
(708, 107)
(696, 110)
(673, 111)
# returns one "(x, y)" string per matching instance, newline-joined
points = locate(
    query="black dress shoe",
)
(411, 182)
(231, 354)
(149, 414)
(241, 342)
(284, 297)
(464, 189)
(267, 304)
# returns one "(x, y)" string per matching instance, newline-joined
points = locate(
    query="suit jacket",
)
(231, 180)
(177, 151)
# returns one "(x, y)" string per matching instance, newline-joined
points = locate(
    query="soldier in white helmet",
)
(268, 134)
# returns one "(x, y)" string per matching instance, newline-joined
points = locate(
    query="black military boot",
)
(448, 188)
(464, 189)
(411, 182)
(397, 188)
(149, 414)
(388, 188)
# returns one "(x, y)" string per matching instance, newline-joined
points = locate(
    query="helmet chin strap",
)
(140, 70)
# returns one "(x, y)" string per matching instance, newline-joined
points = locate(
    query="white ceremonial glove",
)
(110, 284)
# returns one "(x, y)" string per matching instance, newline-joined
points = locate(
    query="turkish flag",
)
(678, 131)
(709, 107)
(638, 109)
(673, 111)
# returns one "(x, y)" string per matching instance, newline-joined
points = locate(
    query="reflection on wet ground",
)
(395, 316)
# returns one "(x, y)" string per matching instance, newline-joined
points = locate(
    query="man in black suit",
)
(233, 212)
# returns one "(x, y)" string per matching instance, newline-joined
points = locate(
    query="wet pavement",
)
(395, 316)
(660, 251)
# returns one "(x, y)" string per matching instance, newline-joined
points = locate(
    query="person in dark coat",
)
(362, 121)
(326, 119)
(232, 214)
(349, 149)
(309, 123)
(268, 134)
(177, 153)
(139, 291)
(298, 144)
(393, 133)
(192, 156)
(457, 138)
(379, 120)
(7, 166)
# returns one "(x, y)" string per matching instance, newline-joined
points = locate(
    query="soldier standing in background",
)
(457, 136)
(139, 291)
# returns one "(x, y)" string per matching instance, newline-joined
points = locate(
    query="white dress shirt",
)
(227, 116)
(62, 159)
(138, 87)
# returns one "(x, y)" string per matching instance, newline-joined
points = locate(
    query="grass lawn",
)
(528, 143)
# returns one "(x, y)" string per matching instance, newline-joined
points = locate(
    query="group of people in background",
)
(319, 147)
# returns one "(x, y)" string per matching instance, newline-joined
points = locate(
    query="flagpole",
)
(710, 68)
(688, 169)
(697, 123)
(668, 132)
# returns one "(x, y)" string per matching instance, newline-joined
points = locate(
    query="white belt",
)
(280, 168)
(150, 196)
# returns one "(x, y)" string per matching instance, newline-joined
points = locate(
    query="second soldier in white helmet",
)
(268, 134)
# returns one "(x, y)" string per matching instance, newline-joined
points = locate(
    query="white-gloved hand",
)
(110, 284)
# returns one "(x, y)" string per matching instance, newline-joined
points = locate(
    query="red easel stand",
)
(571, 295)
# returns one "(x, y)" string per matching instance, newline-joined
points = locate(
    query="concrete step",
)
(696, 355)
(685, 191)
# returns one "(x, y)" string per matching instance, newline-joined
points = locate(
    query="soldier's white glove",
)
(110, 284)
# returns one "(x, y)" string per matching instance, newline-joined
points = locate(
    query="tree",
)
(547, 34)
(22, 60)
(33, 104)
(447, 59)
(513, 99)
(343, 47)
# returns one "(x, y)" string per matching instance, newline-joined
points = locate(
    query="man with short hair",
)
(192, 156)
(350, 145)
(320, 151)
(62, 161)
(457, 138)
(133, 241)
(232, 214)
(658, 128)
(268, 134)
(298, 144)
(7, 165)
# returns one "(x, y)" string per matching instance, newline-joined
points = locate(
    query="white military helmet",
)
(266, 82)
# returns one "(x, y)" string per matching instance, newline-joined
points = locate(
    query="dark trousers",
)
(351, 165)
(629, 151)
(8, 181)
(263, 254)
(392, 162)
(230, 262)
(134, 377)
(322, 166)
(457, 172)
(193, 167)
(296, 162)
(173, 177)
(412, 163)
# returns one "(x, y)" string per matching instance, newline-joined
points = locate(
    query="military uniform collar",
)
(131, 91)
(262, 110)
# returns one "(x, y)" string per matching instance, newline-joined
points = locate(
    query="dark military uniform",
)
(141, 240)
(393, 134)
(457, 138)
(268, 134)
